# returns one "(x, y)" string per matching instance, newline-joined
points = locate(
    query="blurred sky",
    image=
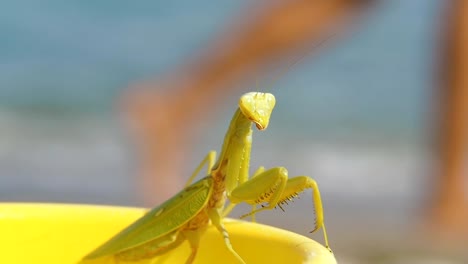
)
(82, 53)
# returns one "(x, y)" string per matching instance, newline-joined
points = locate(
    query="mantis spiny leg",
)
(210, 159)
(215, 218)
(193, 236)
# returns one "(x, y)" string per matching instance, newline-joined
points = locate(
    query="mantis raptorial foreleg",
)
(275, 188)
(231, 206)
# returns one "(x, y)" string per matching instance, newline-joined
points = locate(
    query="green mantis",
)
(187, 214)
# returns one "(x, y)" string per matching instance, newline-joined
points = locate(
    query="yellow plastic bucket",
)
(61, 234)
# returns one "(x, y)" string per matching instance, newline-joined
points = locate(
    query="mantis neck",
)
(238, 139)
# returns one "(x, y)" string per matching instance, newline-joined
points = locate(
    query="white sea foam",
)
(91, 157)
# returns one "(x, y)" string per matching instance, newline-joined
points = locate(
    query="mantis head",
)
(257, 107)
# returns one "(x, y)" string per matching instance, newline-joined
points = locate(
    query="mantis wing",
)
(161, 220)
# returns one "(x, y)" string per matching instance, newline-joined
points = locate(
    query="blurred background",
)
(358, 116)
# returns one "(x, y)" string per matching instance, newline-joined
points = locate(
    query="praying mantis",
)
(187, 215)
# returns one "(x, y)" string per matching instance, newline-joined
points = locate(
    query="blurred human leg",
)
(449, 211)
